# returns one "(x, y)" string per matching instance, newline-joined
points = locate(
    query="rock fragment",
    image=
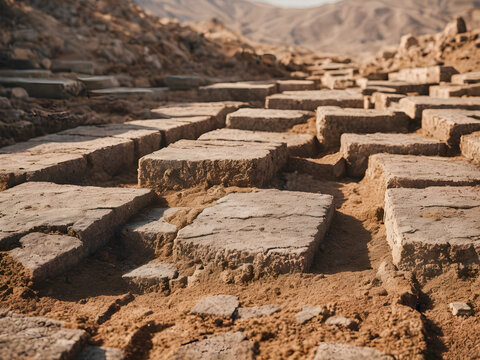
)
(217, 305)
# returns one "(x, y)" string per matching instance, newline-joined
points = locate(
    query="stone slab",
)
(99, 82)
(332, 122)
(100, 353)
(222, 347)
(183, 82)
(256, 311)
(449, 91)
(262, 228)
(328, 167)
(470, 147)
(356, 149)
(189, 163)
(46, 255)
(382, 101)
(330, 351)
(311, 100)
(153, 276)
(450, 125)
(297, 144)
(272, 120)
(431, 229)
(156, 94)
(338, 81)
(400, 87)
(45, 88)
(295, 85)
(88, 213)
(25, 337)
(466, 78)
(425, 75)
(414, 106)
(240, 91)
(217, 305)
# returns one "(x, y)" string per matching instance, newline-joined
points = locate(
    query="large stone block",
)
(431, 229)
(45, 88)
(332, 122)
(240, 91)
(188, 163)
(448, 91)
(311, 100)
(356, 149)
(414, 106)
(425, 75)
(470, 147)
(266, 119)
(276, 231)
(382, 100)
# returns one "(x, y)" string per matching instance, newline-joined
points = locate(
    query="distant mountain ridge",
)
(349, 26)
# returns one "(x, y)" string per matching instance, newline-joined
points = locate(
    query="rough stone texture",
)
(450, 125)
(356, 149)
(332, 122)
(217, 305)
(256, 311)
(25, 337)
(266, 119)
(156, 94)
(430, 229)
(400, 87)
(328, 351)
(414, 106)
(223, 347)
(183, 82)
(425, 75)
(45, 88)
(309, 312)
(295, 85)
(153, 276)
(262, 228)
(44, 255)
(466, 78)
(470, 146)
(100, 353)
(231, 163)
(448, 91)
(98, 82)
(329, 167)
(89, 213)
(297, 144)
(398, 284)
(241, 91)
(341, 322)
(311, 100)
(460, 309)
(382, 101)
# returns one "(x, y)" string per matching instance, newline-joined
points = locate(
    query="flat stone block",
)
(356, 149)
(470, 147)
(217, 305)
(425, 75)
(332, 122)
(382, 101)
(189, 163)
(256, 311)
(297, 144)
(100, 353)
(329, 351)
(450, 125)
(329, 167)
(240, 91)
(183, 82)
(45, 88)
(38, 338)
(414, 106)
(448, 91)
(466, 78)
(399, 87)
(99, 82)
(311, 100)
(431, 229)
(262, 228)
(153, 276)
(295, 85)
(156, 94)
(266, 119)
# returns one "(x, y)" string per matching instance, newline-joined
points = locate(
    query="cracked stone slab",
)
(24, 337)
(430, 229)
(45, 88)
(311, 100)
(277, 231)
(470, 147)
(239, 91)
(256, 311)
(449, 91)
(272, 120)
(189, 163)
(100, 353)
(217, 305)
(153, 276)
(414, 106)
(222, 347)
(466, 78)
(297, 144)
(450, 125)
(424, 75)
(295, 85)
(356, 149)
(330, 351)
(88, 213)
(332, 122)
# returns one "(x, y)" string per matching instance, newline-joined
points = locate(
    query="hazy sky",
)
(296, 3)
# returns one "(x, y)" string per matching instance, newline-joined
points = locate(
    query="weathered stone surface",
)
(414, 106)
(240, 91)
(261, 228)
(89, 213)
(450, 125)
(430, 229)
(356, 149)
(466, 78)
(256, 311)
(425, 75)
(328, 351)
(100, 353)
(341, 322)
(295, 85)
(332, 122)
(297, 144)
(460, 309)
(217, 305)
(448, 91)
(45, 88)
(231, 163)
(329, 167)
(153, 276)
(266, 119)
(99, 82)
(223, 347)
(310, 312)
(25, 337)
(81, 67)
(311, 100)
(44, 255)
(382, 101)
(183, 82)
(400, 87)
(470, 146)
(156, 94)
